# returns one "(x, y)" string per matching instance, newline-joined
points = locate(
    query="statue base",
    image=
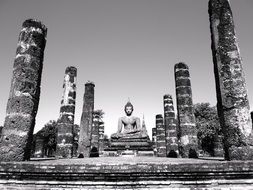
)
(135, 144)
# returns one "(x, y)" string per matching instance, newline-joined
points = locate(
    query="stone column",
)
(84, 144)
(64, 147)
(24, 95)
(233, 103)
(188, 133)
(95, 136)
(76, 130)
(170, 127)
(101, 137)
(39, 147)
(154, 140)
(160, 136)
(251, 116)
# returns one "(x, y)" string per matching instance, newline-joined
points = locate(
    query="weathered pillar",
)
(101, 137)
(39, 147)
(251, 115)
(170, 127)
(154, 140)
(76, 130)
(218, 146)
(24, 95)
(233, 103)
(188, 146)
(95, 136)
(84, 144)
(160, 136)
(65, 123)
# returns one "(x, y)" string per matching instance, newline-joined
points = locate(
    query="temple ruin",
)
(24, 96)
(64, 148)
(160, 136)
(231, 92)
(188, 146)
(170, 127)
(84, 143)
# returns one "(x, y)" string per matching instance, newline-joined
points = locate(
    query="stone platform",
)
(126, 173)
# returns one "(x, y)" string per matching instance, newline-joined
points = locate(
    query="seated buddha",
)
(129, 126)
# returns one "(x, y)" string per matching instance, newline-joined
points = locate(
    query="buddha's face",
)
(128, 110)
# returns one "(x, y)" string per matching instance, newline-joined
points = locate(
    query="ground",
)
(125, 160)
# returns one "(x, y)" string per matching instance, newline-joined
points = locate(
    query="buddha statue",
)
(132, 128)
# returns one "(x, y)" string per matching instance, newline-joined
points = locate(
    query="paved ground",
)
(125, 160)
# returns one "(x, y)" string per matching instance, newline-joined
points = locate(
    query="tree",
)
(208, 126)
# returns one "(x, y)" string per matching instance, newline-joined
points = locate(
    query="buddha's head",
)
(129, 108)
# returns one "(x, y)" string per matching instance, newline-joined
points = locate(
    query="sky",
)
(128, 48)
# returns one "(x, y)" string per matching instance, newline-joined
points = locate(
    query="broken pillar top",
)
(71, 70)
(181, 65)
(220, 9)
(167, 96)
(89, 83)
(217, 4)
(36, 24)
(159, 116)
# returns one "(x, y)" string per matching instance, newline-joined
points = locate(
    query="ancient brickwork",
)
(154, 140)
(95, 136)
(84, 143)
(64, 148)
(24, 94)
(170, 127)
(39, 147)
(124, 173)
(187, 127)
(232, 98)
(101, 137)
(160, 136)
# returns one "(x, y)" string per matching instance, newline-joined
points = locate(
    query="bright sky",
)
(127, 47)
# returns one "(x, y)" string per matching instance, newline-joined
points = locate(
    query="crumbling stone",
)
(24, 95)
(231, 91)
(65, 123)
(154, 140)
(39, 147)
(188, 146)
(170, 127)
(95, 136)
(160, 136)
(84, 143)
(101, 137)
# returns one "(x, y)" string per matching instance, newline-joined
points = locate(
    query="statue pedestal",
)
(128, 153)
(130, 147)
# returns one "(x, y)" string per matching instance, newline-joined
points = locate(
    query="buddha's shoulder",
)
(136, 118)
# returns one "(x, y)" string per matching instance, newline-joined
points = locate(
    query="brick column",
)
(186, 119)
(24, 95)
(39, 147)
(95, 136)
(160, 136)
(64, 148)
(101, 137)
(170, 127)
(231, 91)
(84, 144)
(154, 140)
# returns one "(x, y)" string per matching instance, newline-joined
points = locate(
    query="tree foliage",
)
(208, 126)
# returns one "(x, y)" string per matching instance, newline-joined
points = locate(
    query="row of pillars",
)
(90, 136)
(166, 134)
(231, 92)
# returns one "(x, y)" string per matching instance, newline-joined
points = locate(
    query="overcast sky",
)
(128, 48)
